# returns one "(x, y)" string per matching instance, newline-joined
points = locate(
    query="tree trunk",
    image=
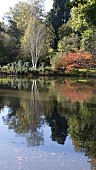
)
(34, 64)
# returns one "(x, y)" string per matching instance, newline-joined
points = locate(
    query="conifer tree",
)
(57, 16)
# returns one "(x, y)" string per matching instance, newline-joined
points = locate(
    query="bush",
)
(54, 60)
(78, 59)
(33, 71)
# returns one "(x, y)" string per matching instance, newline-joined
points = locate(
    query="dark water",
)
(47, 124)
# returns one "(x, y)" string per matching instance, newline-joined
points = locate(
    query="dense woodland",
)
(63, 40)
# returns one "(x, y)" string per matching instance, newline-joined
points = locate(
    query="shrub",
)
(77, 59)
(13, 67)
(54, 60)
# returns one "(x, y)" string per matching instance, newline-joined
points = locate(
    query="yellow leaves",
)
(78, 18)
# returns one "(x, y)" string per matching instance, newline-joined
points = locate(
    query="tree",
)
(19, 21)
(90, 13)
(78, 21)
(34, 40)
(18, 16)
(68, 43)
(84, 19)
(2, 48)
(61, 11)
(8, 48)
(75, 3)
(90, 16)
(86, 41)
(59, 15)
(65, 30)
(10, 45)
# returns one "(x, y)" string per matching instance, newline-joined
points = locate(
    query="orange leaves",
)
(76, 91)
(75, 59)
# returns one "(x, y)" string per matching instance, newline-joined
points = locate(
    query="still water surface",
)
(47, 124)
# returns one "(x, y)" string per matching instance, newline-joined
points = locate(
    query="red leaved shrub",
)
(79, 59)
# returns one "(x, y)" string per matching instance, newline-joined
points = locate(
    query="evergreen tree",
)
(57, 16)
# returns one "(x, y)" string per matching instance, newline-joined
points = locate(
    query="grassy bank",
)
(47, 71)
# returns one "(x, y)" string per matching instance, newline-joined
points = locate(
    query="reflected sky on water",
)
(47, 124)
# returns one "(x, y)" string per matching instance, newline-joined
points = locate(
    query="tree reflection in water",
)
(26, 115)
(83, 131)
(58, 124)
(68, 107)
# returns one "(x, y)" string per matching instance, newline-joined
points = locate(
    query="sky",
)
(5, 4)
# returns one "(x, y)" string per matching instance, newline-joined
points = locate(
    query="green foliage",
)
(27, 66)
(54, 60)
(90, 13)
(86, 41)
(84, 15)
(32, 37)
(82, 129)
(65, 30)
(57, 16)
(79, 23)
(19, 18)
(61, 12)
(68, 43)
(2, 45)
(20, 66)
(19, 15)
(35, 42)
(2, 52)
(75, 3)
(13, 67)
(84, 22)
(34, 71)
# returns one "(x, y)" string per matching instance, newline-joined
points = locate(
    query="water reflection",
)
(67, 106)
(58, 124)
(83, 131)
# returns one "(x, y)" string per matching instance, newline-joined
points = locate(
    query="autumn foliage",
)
(77, 59)
(75, 91)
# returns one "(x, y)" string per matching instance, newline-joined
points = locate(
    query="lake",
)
(47, 124)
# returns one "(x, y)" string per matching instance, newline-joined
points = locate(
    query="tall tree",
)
(84, 23)
(3, 51)
(59, 15)
(34, 41)
(19, 18)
